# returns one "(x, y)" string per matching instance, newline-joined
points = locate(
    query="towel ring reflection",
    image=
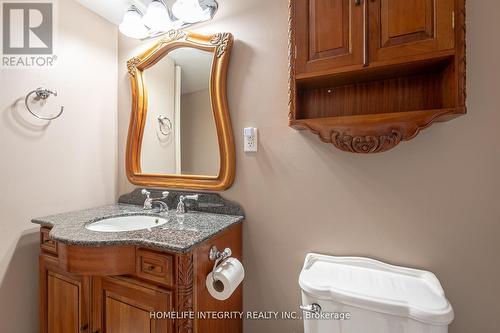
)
(164, 123)
(43, 94)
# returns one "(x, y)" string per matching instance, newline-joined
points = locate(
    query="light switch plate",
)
(250, 139)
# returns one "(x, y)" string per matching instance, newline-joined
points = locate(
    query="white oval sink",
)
(126, 223)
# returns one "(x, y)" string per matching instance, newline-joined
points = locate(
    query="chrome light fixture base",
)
(209, 6)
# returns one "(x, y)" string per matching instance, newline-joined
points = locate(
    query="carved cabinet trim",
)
(185, 293)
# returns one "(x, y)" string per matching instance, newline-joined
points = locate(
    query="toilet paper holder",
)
(219, 257)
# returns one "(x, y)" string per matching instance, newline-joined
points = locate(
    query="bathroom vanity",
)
(150, 280)
(127, 268)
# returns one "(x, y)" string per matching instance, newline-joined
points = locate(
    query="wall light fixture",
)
(160, 19)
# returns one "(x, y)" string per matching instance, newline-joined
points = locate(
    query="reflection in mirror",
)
(180, 135)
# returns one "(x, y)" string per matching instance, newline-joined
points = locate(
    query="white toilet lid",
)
(376, 286)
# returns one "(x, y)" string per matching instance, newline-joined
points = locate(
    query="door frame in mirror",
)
(220, 45)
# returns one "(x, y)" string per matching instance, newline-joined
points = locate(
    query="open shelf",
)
(373, 110)
(428, 89)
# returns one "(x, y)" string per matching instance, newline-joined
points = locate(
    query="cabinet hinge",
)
(453, 19)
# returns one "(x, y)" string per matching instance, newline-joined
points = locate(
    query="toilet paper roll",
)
(228, 277)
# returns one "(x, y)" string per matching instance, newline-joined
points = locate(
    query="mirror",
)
(180, 132)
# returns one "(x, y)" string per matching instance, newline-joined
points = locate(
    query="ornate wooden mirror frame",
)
(220, 44)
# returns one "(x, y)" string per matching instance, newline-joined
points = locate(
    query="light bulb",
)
(190, 11)
(157, 17)
(132, 25)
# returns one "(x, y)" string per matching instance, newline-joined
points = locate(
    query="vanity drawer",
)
(47, 244)
(155, 266)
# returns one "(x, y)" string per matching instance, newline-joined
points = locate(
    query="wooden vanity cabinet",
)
(366, 75)
(159, 282)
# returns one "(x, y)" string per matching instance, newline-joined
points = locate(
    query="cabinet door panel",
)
(329, 34)
(122, 305)
(408, 21)
(328, 28)
(137, 319)
(401, 28)
(64, 299)
(63, 304)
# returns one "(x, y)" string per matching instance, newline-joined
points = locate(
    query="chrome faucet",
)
(150, 202)
(181, 207)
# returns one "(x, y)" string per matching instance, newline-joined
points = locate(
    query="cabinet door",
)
(122, 305)
(328, 34)
(405, 28)
(64, 299)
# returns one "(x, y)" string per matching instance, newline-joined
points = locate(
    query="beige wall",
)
(157, 151)
(199, 142)
(431, 203)
(69, 164)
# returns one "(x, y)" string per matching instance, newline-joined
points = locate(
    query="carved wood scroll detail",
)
(463, 55)
(185, 292)
(221, 40)
(132, 65)
(366, 144)
(372, 137)
(173, 35)
(291, 59)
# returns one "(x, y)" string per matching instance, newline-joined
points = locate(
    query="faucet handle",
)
(181, 208)
(189, 197)
(146, 193)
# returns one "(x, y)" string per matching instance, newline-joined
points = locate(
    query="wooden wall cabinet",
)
(157, 281)
(368, 74)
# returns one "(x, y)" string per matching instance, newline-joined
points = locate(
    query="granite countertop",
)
(179, 234)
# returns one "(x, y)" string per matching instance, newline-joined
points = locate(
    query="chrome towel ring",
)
(165, 125)
(42, 93)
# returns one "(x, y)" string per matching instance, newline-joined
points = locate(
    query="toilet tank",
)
(361, 295)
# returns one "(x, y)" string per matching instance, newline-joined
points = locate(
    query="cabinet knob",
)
(357, 2)
(84, 327)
